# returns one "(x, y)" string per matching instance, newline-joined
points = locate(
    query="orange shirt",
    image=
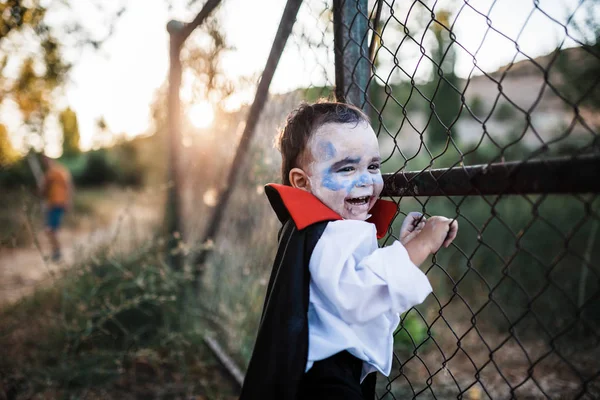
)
(57, 183)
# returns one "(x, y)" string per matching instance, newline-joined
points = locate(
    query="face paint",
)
(344, 173)
(326, 150)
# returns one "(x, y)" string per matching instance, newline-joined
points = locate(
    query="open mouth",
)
(359, 201)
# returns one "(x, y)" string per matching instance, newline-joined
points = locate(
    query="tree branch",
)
(202, 15)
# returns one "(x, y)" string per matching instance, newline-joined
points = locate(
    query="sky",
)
(119, 82)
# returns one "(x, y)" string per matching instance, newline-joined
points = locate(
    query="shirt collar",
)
(305, 209)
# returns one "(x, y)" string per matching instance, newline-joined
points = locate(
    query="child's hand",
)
(439, 231)
(411, 226)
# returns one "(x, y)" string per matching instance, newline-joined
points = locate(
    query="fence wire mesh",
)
(450, 84)
(513, 310)
(512, 314)
(237, 271)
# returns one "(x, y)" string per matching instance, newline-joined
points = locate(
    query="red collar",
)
(305, 209)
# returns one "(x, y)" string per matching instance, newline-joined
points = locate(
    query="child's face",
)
(344, 169)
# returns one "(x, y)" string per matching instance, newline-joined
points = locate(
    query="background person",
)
(57, 190)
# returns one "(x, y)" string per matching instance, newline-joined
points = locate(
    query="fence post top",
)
(174, 26)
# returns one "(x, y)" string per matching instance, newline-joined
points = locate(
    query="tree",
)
(40, 72)
(103, 136)
(579, 67)
(7, 152)
(442, 90)
(32, 92)
(27, 24)
(203, 58)
(70, 130)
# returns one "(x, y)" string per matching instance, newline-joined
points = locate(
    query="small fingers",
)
(452, 232)
(411, 221)
(416, 218)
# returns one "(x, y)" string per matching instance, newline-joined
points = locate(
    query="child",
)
(334, 297)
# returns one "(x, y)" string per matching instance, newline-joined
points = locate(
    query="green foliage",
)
(70, 130)
(411, 332)
(477, 106)
(315, 93)
(119, 164)
(579, 73)
(390, 103)
(504, 111)
(34, 41)
(127, 164)
(579, 67)
(443, 91)
(126, 301)
(118, 324)
(17, 174)
(445, 107)
(525, 253)
(17, 209)
(56, 68)
(32, 91)
(75, 163)
(98, 170)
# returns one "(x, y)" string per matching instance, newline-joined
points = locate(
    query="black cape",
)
(281, 349)
(280, 352)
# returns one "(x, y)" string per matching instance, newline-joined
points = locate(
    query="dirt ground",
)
(118, 218)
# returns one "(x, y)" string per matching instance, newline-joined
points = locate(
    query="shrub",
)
(477, 107)
(504, 111)
(112, 324)
(97, 170)
(129, 170)
(411, 332)
(17, 174)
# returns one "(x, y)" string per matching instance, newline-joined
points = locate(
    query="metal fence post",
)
(352, 65)
(283, 32)
(178, 33)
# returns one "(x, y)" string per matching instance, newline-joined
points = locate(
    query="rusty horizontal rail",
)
(558, 175)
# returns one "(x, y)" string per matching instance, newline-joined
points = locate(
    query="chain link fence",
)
(476, 125)
(236, 272)
(512, 311)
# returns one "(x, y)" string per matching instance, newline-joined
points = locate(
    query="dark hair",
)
(303, 122)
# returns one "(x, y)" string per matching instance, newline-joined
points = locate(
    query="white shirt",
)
(357, 293)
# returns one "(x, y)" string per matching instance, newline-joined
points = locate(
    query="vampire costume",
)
(279, 358)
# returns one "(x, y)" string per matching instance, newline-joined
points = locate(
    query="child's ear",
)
(299, 179)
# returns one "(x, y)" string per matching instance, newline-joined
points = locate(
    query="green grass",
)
(121, 325)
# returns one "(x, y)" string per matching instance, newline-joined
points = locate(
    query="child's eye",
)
(346, 169)
(374, 166)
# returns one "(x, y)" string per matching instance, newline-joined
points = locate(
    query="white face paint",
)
(344, 171)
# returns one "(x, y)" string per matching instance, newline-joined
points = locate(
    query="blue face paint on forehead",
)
(325, 151)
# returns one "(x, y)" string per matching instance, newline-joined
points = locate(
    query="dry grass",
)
(114, 327)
